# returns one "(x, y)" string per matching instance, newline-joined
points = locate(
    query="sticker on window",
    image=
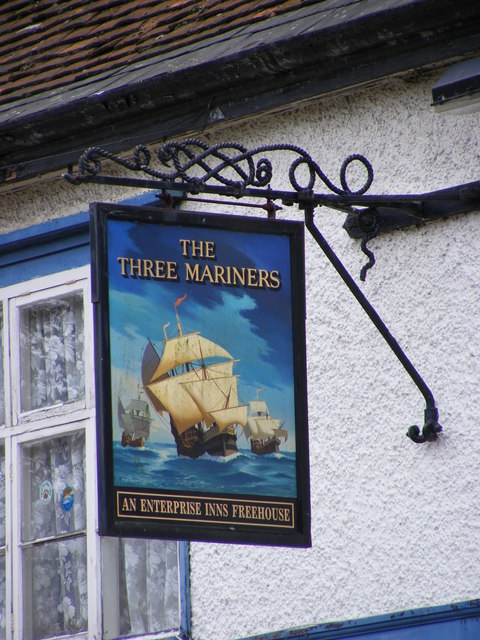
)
(46, 492)
(67, 499)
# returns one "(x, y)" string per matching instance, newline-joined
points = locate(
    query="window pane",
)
(2, 493)
(52, 352)
(3, 619)
(53, 487)
(146, 596)
(2, 385)
(55, 588)
(53, 505)
(3, 613)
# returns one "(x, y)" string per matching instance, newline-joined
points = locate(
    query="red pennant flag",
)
(177, 302)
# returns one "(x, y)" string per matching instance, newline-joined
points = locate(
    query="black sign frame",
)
(205, 259)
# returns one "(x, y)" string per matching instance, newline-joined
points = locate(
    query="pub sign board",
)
(201, 376)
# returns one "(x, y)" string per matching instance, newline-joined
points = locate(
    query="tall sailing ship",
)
(134, 421)
(263, 431)
(200, 399)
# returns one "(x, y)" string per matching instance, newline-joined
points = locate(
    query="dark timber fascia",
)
(311, 52)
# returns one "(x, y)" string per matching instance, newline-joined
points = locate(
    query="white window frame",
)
(19, 546)
(53, 286)
(30, 427)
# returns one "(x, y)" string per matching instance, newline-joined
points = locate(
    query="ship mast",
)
(176, 303)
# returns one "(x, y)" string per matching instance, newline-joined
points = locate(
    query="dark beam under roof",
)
(312, 51)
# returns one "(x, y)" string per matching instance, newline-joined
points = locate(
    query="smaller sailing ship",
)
(263, 431)
(135, 422)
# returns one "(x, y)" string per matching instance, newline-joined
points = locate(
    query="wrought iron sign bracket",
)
(189, 167)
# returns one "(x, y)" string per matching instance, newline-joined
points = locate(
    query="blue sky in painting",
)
(254, 325)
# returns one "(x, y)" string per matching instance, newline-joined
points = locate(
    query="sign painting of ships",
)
(134, 421)
(201, 399)
(263, 431)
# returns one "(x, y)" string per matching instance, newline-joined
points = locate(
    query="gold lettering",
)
(129, 504)
(210, 250)
(159, 269)
(275, 282)
(185, 244)
(135, 265)
(172, 270)
(192, 273)
(237, 276)
(252, 278)
(197, 247)
(263, 278)
(219, 275)
(148, 269)
(207, 273)
(123, 261)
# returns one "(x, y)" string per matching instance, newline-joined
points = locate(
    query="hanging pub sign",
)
(201, 376)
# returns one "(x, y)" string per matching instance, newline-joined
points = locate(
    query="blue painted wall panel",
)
(459, 621)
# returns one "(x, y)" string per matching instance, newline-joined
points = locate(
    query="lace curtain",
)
(52, 347)
(148, 586)
(3, 620)
(2, 385)
(54, 571)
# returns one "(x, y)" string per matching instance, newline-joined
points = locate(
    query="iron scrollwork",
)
(195, 163)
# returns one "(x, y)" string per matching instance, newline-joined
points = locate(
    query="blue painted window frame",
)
(56, 246)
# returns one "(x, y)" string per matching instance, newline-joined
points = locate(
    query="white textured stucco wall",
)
(394, 525)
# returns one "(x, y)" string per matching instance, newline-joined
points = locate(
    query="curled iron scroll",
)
(231, 164)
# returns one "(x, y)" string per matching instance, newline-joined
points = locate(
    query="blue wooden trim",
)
(50, 247)
(184, 567)
(44, 249)
(459, 621)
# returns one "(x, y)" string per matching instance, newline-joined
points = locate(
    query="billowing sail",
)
(149, 365)
(260, 426)
(137, 407)
(135, 419)
(173, 396)
(251, 429)
(217, 399)
(265, 426)
(191, 347)
(229, 416)
(258, 406)
(281, 433)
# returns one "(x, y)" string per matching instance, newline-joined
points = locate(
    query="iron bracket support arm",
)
(431, 427)
(190, 166)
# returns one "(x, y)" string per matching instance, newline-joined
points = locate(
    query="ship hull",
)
(260, 448)
(128, 441)
(194, 444)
